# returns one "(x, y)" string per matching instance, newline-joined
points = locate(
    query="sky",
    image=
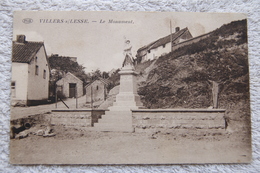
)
(98, 44)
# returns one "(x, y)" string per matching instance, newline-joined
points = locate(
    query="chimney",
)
(20, 38)
(177, 29)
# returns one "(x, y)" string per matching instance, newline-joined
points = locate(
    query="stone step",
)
(115, 120)
(113, 127)
(123, 108)
(119, 113)
(127, 103)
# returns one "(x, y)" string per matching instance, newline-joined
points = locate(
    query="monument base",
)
(119, 116)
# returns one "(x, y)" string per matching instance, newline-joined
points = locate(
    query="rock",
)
(23, 134)
(40, 132)
(49, 135)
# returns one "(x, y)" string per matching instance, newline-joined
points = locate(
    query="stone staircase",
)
(115, 121)
(119, 116)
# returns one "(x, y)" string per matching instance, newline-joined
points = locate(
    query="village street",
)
(71, 146)
(22, 112)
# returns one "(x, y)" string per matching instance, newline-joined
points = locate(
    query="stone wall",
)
(76, 118)
(170, 120)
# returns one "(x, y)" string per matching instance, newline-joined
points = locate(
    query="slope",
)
(184, 77)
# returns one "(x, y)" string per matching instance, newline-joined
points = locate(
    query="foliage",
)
(183, 78)
(114, 79)
(62, 65)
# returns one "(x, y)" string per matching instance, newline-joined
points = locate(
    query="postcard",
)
(98, 87)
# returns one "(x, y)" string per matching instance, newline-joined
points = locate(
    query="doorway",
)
(72, 90)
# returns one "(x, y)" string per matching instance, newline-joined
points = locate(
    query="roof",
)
(104, 81)
(69, 73)
(164, 40)
(24, 52)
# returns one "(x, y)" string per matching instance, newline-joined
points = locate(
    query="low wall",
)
(76, 118)
(23, 103)
(169, 120)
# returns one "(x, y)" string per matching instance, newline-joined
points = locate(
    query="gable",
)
(99, 81)
(165, 40)
(70, 78)
(24, 52)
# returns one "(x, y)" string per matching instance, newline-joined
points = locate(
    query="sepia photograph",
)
(99, 87)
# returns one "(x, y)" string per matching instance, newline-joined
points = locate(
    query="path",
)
(21, 112)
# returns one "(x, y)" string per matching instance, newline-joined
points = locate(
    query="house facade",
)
(97, 90)
(70, 86)
(30, 72)
(163, 45)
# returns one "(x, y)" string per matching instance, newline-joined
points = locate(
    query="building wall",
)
(64, 82)
(20, 78)
(38, 86)
(157, 52)
(99, 91)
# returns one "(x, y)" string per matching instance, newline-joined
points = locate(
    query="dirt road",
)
(78, 147)
(21, 112)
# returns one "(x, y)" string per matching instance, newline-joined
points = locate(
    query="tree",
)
(61, 65)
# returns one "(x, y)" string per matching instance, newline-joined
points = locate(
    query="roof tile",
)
(24, 52)
(164, 40)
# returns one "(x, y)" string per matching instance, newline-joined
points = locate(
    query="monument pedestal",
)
(119, 116)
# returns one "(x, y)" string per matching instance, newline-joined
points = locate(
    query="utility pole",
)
(171, 33)
(76, 97)
(91, 92)
(56, 97)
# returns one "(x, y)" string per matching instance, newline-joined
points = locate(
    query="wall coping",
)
(77, 110)
(143, 110)
(178, 110)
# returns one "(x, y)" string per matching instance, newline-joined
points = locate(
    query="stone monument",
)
(119, 116)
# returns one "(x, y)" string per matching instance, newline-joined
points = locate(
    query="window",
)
(36, 58)
(13, 89)
(149, 51)
(36, 70)
(163, 46)
(97, 87)
(44, 74)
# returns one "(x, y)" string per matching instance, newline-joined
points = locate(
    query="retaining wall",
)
(169, 120)
(76, 118)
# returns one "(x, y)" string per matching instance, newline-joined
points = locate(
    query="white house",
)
(30, 72)
(163, 45)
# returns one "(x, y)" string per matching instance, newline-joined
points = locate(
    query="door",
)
(72, 90)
